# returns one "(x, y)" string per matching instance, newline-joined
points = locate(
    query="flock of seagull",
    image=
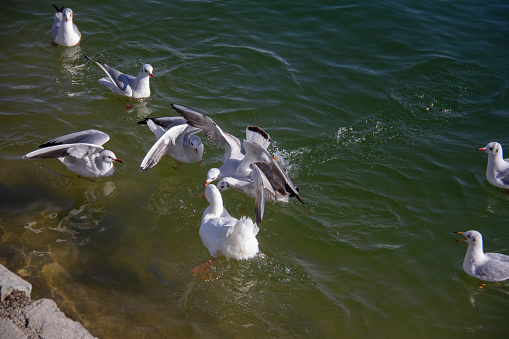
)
(247, 166)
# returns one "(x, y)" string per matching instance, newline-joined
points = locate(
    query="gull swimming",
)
(480, 265)
(222, 234)
(126, 85)
(80, 152)
(175, 138)
(64, 32)
(497, 171)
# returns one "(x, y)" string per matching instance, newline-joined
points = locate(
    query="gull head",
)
(223, 184)
(492, 148)
(471, 237)
(67, 14)
(195, 142)
(109, 157)
(212, 175)
(147, 70)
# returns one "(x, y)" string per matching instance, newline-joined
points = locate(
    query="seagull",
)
(126, 85)
(64, 32)
(178, 141)
(480, 265)
(222, 234)
(239, 156)
(497, 171)
(81, 152)
(248, 164)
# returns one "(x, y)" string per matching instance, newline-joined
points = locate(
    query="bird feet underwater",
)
(204, 270)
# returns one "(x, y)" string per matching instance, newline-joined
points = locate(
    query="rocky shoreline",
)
(21, 318)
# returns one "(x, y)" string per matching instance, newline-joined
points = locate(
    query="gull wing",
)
(256, 153)
(165, 122)
(76, 150)
(118, 78)
(91, 136)
(211, 130)
(161, 146)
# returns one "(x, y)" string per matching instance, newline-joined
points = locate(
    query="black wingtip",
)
(143, 122)
(49, 144)
(260, 131)
(60, 10)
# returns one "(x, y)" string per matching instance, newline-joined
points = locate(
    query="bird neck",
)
(475, 251)
(216, 205)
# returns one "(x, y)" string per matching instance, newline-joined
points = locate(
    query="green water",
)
(375, 111)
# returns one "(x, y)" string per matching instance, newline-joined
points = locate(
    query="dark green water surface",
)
(375, 111)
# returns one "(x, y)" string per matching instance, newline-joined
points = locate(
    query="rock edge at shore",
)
(21, 318)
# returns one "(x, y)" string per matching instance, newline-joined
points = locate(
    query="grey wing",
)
(116, 77)
(493, 271)
(161, 146)
(260, 193)
(77, 150)
(256, 153)
(166, 122)
(504, 176)
(498, 256)
(155, 153)
(211, 130)
(91, 136)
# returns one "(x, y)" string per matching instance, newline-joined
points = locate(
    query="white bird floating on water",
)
(497, 171)
(480, 265)
(64, 32)
(222, 234)
(81, 152)
(126, 85)
(178, 141)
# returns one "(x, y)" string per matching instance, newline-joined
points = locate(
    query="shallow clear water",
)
(375, 111)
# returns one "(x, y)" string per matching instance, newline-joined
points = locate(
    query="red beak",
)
(152, 75)
(196, 150)
(481, 149)
(118, 160)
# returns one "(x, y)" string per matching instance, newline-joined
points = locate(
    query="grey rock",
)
(9, 330)
(44, 317)
(10, 282)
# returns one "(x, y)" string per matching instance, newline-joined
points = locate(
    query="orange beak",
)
(481, 149)
(460, 239)
(205, 185)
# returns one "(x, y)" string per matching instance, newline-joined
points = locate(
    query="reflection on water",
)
(87, 213)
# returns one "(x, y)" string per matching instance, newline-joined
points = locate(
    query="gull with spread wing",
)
(126, 85)
(175, 138)
(80, 152)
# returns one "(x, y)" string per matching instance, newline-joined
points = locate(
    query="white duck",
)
(178, 141)
(497, 171)
(64, 32)
(80, 152)
(126, 85)
(224, 235)
(480, 265)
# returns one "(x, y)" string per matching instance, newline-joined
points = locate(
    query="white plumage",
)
(64, 32)
(224, 235)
